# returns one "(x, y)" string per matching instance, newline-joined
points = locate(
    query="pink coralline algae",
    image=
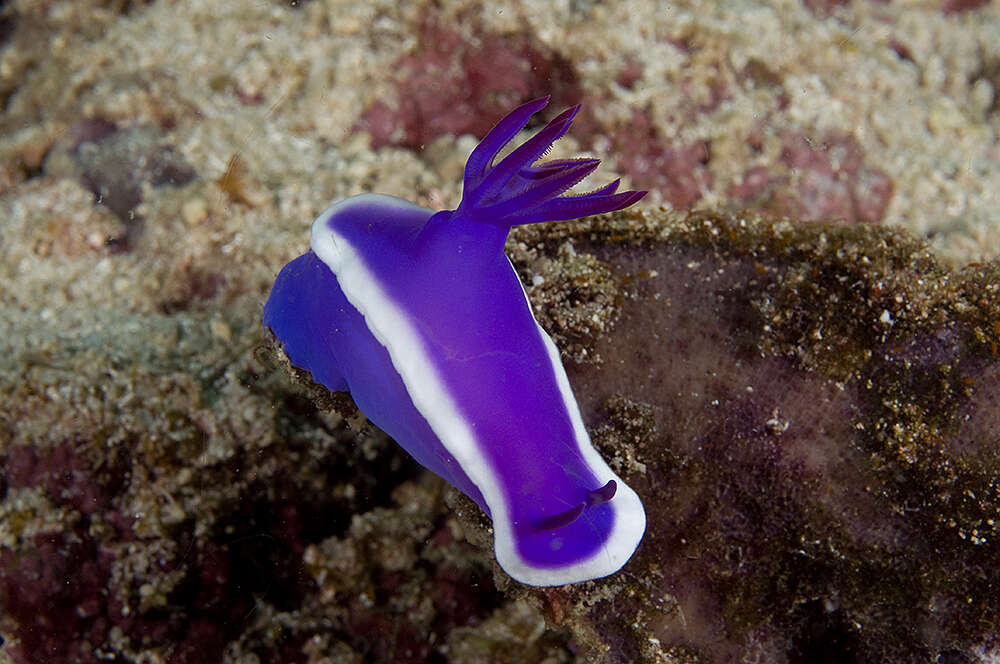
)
(458, 83)
(823, 7)
(821, 178)
(63, 471)
(679, 172)
(959, 6)
(59, 582)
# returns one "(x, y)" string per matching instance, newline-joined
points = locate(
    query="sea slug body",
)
(422, 318)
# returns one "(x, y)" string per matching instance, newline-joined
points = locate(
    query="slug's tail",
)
(563, 519)
(517, 191)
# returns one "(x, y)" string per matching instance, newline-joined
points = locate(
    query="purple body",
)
(422, 318)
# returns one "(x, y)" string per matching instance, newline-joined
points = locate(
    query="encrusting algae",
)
(811, 410)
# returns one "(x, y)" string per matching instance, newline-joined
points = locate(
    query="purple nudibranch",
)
(421, 317)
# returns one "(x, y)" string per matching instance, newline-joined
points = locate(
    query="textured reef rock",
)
(809, 412)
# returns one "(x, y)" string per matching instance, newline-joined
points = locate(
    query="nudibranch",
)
(422, 318)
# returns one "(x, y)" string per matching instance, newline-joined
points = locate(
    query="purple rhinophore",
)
(421, 317)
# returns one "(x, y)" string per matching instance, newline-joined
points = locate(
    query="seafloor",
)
(802, 379)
